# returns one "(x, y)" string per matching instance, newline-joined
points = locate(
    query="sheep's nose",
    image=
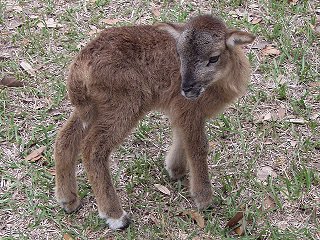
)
(188, 87)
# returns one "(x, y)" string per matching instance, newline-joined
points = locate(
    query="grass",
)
(240, 144)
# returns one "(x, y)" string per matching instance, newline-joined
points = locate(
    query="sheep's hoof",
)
(71, 206)
(203, 199)
(176, 173)
(120, 223)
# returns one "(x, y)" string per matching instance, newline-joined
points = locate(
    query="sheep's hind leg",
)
(65, 154)
(176, 162)
(102, 138)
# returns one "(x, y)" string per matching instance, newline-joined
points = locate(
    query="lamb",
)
(189, 71)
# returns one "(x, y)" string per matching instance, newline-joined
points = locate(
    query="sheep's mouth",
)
(193, 93)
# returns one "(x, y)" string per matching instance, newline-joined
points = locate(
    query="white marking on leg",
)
(84, 125)
(115, 223)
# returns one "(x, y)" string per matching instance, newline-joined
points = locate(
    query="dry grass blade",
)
(28, 68)
(297, 121)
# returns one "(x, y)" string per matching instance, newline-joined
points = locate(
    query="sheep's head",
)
(204, 46)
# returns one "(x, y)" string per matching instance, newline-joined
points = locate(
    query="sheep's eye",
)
(214, 59)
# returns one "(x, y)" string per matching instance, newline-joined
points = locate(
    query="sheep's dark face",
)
(204, 45)
(203, 59)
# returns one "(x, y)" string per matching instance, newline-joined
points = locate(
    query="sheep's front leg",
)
(196, 145)
(176, 160)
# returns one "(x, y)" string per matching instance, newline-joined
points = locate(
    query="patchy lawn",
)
(265, 149)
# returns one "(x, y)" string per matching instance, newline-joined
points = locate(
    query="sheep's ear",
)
(174, 30)
(237, 37)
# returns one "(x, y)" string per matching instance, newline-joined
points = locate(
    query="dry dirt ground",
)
(264, 150)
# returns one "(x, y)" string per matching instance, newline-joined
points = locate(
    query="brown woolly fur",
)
(190, 72)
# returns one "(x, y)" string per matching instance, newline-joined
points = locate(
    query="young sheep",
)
(189, 71)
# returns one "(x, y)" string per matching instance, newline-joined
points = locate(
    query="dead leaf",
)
(238, 13)
(49, 23)
(162, 189)
(260, 45)
(233, 14)
(315, 116)
(293, 2)
(35, 159)
(66, 236)
(235, 219)
(268, 203)
(27, 67)
(156, 11)
(280, 162)
(52, 171)
(94, 30)
(154, 220)
(293, 143)
(109, 238)
(283, 79)
(24, 42)
(17, 8)
(253, 6)
(297, 121)
(317, 28)
(40, 25)
(270, 51)
(255, 19)
(11, 81)
(196, 216)
(33, 17)
(264, 172)
(196, 238)
(241, 13)
(5, 55)
(314, 84)
(212, 145)
(267, 117)
(34, 156)
(264, 117)
(268, 142)
(240, 230)
(109, 21)
(14, 24)
(281, 113)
